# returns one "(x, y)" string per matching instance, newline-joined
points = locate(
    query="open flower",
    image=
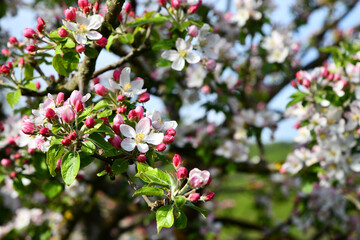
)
(128, 88)
(83, 27)
(158, 124)
(141, 137)
(184, 51)
(208, 41)
(198, 178)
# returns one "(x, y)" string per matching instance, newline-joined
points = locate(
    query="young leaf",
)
(164, 217)
(88, 147)
(180, 201)
(153, 176)
(13, 98)
(52, 189)
(52, 156)
(100, 142)
(149, 191)
(181, 220)
(70, 166)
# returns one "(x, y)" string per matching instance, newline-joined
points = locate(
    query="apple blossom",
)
(198, 178)
(128, 88)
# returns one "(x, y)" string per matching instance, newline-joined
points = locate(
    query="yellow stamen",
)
(127, 87)
(140, 137)
(182, 53)
(349, 159)
(355, 117)
(82, 28)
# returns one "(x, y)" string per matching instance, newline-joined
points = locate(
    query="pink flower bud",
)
(297, 125)
(60, 98)
(29, 33)
(115, 141)
(13, 174)
(106, 120)
(4, 69)
(100, 89)
(96, 80)
(70, 14)
(116, 128)
(193, 9)
(58, 164)
(17, 156)
(31, 48)
(181, 173)
(193, 30)
(116, 75)
(118, 119)
(102, 42)
(40, 27)
(168, 139)
(120, 98)
(50, 113)
(87, 9)
(89, 122)
(121, 110)
(324, 72)
(40, 21)
(13, 40)
(141, 158)
(66, 142)
(31, 150)
(210, 65)
(9, 64)
(21, 62)
(161, 147)
(162, 2)
(132, 116)
(127, 7)
(44, 131)
(306, 83)
(79, 106)
(120, 17)
(208, 196)
(96, 7)
(37, 85)
(67, 114)
(5, 52)
(175, 3)
(337, 76)
(171, 132)
(330, 77)
(194, 197)
(144, 97)
(62, 32)
(80, 48)
(139, 112)
(5, 162)
(73, 135)
(293, 83)
(83, 3)
(198, 178)
(28, 127)
(177, 160)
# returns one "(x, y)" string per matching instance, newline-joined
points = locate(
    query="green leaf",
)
(307, 187)
(55, 35)
(88, 147)
(297, 97)
(164, 44)
(98, 124)
(164, 217)
(91, 52)
(120, 166)
(163, 63)
(203, 212)
(126, 39)
(52, 189)
(66, 64)
(153, 176)
(70, 166)
(181, 220)
(59, 66)
(85, 159)
(28, 72)
(149, 191)
(148, 18)
(30, 85)
(180, 201)
(52, 156)
(70, 43)
(105, 113)
(100, 142)
(102, 104)
(85, 114)
(13, 98)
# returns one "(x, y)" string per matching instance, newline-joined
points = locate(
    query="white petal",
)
(170, 124)
(143, 126)
(81, 18)
(178, 64)
(154, 138)
(180, 44)
(80, 38)
(71, 26)
(137, 84)
(95, 21)
(139, 92)
(192, 57)
(86, 97)
(142, 147)
(128, 144)
(93, 35)
(113, 84)
(125, 76)
(127, 131)
(170, 55)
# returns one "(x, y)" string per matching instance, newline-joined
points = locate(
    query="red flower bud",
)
(29, 33)
(79, 107)
(96, 80)
(70, 14)
(31, 48)
(40, 27)
(121, 110)
(120, 98)
(62, 32)
(21, 62)
(120, 17)
(44, 132)
(162, 2)
(66, 142)
(40, 21)
(60, 98)
(102, 42)
(50, 113)
(208, 196)
(5, 162)
(177, 160)
(171, 132)
(194, 197)
(13, 40)
(141, 158)
(96, 7)
(73, 135)
(89, 122)
(115, 141)
(80, 48)
(13, 174)
(37, 85)
(116, 75)
(4, 69)
(132, 116)
(193, 30)
(175, 3)
(5, 52)
(127, 7)
(58, 164)
(161, 147)
(100, 89)
(83, 3)
(181, 173)
(168, 139)
(144, 97)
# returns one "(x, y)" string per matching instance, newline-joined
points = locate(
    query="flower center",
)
(182, 53)
(355, 117)
(82, 28)
(127, 87)
(140, 137)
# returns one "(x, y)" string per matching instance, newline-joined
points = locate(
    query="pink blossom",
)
(67, 113)
(29, 33)
(198, 178)
(28, 127)
(100, 89)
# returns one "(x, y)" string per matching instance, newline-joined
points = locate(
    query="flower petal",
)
(113, 84)
(170, 55)
(192, 57)
(125, 76)
(143, 126)
(180, 44)
(81, 18)
(142, 147)
(80, 38)
(95, 21)
(127, 131)
(128, 144)
(137, 84)
(154, 138)
(170, 124)
(71, 26)
(86, 97)
(93, 35)
(178, 64)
